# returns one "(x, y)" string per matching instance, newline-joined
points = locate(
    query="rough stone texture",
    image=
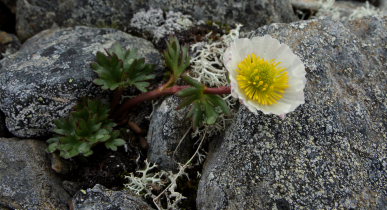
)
(345, 10)
(166, 128)
(100, 198)
(34, 16)
(159, 24)
(250, 13)
(26, 180)
(51, 72)
(328, 154)
(9, 44)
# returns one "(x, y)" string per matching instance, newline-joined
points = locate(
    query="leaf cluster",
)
(205, 108)
(176, 57)
(86, 127)
(121, 68)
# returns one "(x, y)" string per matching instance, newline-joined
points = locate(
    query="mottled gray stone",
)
(166, 129)
(328, 154)
(34, 16)
(51, 72)
(159, 24)
(250, 13)
(100, 198)
(26, 180)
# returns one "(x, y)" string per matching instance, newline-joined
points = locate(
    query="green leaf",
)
(52, 147)
(87, 126)
(193, 82)
(218, 101)
(211, 114)
(187, 92)
(197, 115)
(121, 68)
(187, 101)
(176, 57)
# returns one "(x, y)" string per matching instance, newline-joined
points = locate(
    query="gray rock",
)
(37, 15)
(26, 180)
(166, 129)
(250, 13)
(328, 154)
(9, 44)
(160, 25)
(45, 79)
(100, 198)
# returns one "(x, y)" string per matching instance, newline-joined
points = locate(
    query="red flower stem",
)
(162, 91)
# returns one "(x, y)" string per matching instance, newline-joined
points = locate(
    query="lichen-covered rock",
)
(26, 179)
(37, 15)
(166, 129)
(51, 72)
(160, 25)
(9, 44)
(100, 198)
(250, 13)
(328, 154)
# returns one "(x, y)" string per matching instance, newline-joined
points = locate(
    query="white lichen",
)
(146, 183)
(350, 12)
(207, 67)
(153, 22)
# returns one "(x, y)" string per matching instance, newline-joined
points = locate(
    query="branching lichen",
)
(207, 67)
(329, 8)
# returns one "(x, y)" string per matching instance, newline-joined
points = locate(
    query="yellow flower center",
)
(262, 81)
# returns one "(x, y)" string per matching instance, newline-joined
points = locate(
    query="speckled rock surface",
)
(166, 129)
(250, 13)
(100, 198)
(51, 72)
(9, 44)
(37, 15)
(34, 16)
(328, 154)
(159, 24)
(26, 179)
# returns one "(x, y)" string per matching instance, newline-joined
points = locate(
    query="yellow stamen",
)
(262, 81)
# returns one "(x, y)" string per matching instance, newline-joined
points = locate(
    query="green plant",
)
(176, 58)
(205, 107)
(86, 127)
(122, 68)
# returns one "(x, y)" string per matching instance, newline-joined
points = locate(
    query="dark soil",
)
(7, 20)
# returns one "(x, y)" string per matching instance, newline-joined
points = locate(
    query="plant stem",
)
(162, 91)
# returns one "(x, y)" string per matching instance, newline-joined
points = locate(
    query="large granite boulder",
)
(250, 13)
(167, 127)
(34, 16)
(26, 179)
(51, 72)
(328, 154)
(100, 198)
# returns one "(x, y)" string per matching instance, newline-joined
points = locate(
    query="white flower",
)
(265, 75)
